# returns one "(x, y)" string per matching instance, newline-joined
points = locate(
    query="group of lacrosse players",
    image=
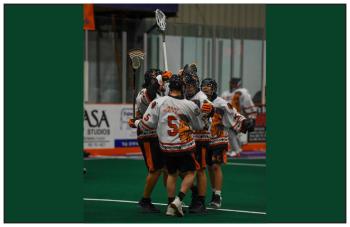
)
(182, 130)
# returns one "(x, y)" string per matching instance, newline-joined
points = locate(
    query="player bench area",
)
(112, 188)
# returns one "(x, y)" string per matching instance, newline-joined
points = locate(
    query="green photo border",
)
(306, 113)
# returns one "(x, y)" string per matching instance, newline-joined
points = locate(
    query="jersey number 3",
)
(173, 126)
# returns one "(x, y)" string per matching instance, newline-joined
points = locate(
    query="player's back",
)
(244, 103)
(177, 118)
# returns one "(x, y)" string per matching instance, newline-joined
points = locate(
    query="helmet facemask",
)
(192, 84)
(208, 90)
(209, 87)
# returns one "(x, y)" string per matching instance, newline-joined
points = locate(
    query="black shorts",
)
(217, 154)
(201, 151)
(182, 162)
(152, 154)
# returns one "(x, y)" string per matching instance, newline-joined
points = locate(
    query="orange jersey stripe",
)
(149, 160)
(204, 151)
(224, 157)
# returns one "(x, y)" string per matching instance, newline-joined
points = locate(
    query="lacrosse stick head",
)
(136, 55)
(160, 18)
(135, 62)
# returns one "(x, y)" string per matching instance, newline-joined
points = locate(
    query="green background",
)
(43, 113)
(306, 113)
(43, 108)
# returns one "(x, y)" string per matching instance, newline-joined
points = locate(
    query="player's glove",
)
(207, 107)
(166, 75)
(248, 125)
(133, 123)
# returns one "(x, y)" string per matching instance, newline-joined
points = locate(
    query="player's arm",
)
(237, 121)
(206, 107)
(248, 106)
(163, 81)
(231, 117)
(138, 108)
(149, 120)
(194, 114)
(243, 124)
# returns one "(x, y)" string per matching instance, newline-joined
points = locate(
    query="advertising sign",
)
(106, 128)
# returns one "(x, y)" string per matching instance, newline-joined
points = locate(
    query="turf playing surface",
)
(123, 180)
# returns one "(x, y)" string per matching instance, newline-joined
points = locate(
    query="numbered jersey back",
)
(175, 120)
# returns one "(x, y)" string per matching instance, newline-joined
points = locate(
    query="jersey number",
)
(173, 126)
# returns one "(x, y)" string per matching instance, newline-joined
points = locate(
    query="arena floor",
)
(112, 188)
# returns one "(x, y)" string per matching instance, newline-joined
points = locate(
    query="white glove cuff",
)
(137, 122)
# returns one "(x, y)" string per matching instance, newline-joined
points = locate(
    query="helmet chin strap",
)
(189, 96)
(212, 97)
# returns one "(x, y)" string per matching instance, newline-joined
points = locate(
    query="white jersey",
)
(227, 95)
(225, 117)
(243, 102)
(167, 89)
(142, 103)
(174, 118)
(203, 134)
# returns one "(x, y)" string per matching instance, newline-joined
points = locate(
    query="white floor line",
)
(132, 157)
(244, 164)
(163, 204)
(140, 158)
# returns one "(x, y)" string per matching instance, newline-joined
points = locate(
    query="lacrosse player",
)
(224, 118)
(174, 118)
(243, 103)
(202, 136)
(148, 139)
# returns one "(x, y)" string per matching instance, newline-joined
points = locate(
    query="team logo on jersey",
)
(153, 104)
(146, 117)
(184, 130)
(217, 128)
(235, 101)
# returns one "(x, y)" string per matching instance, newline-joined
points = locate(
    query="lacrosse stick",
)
(135, 55)
(160, 18)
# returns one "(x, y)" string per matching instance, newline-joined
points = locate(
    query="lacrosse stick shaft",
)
(164, 53)
(134, 95)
